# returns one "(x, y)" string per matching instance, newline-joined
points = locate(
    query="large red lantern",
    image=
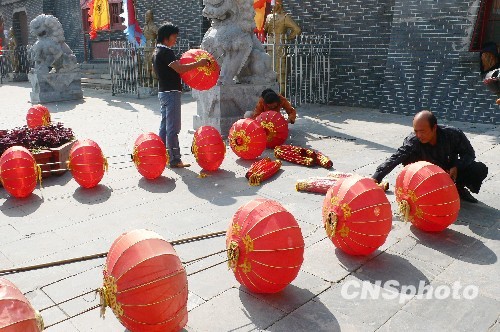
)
(427, 196)
(276, 128)
(145, 283)
(87, 163)
(357, 215)
(16, 313)
(19, 171)
(38, 115)
(150, 155)
(265, 247)
(247, 139)
(201, 78)
(208, 148)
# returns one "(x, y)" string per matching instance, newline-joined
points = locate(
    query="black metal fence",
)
(15, 64)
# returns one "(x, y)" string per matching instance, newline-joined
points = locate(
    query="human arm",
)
(183, 68)
(400, 156)
(295, 30)
(292, 113)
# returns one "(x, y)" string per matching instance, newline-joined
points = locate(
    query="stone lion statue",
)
(231, 40)
(51, 50)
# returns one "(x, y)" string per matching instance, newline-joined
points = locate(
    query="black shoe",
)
(465, 194)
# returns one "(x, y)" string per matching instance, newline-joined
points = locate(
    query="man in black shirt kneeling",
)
(444, 146)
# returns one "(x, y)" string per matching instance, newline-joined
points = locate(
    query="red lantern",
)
(16, 313)
(357, 215)
(150, 155)
(19, 171)
(38, 115)
(262, 170)
(265, 246)
(295, 154)
(427, 196)
(145, 283)
(275, 126)
(201, 78)
(208, 148)
(87, 163)
(247, 139)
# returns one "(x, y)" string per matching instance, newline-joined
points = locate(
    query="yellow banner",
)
(100, 15)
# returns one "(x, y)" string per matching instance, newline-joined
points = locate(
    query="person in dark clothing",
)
(167, 69)
(444, 146)
(489, 65)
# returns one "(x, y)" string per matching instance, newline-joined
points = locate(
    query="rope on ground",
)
(70, 317)
(75, 297)
(102, 255)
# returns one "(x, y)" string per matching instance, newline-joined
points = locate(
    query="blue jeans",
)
(170, 126)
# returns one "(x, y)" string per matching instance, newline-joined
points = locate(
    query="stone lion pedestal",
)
(52, 87)
(223, 105)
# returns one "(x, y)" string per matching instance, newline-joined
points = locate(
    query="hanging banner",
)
(99, 17)
(133, 31)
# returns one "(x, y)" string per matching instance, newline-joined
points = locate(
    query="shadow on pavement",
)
(388, 267)
(96, 195)
(160, 185)
(21, 207)
(307, 313)
(451, 243)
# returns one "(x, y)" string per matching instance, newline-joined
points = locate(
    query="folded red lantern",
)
(320, 185)
(38, 115)
(357, 215)
(262, 170)
(16, 313)
(427, 196)
(201, 78)
(323, 160)
(87, 163)
(295, 154)
(150, 155)
(247, 139)
(19, 171)
(264, 246)
(276, 127)
(145, 283)
(208, 148)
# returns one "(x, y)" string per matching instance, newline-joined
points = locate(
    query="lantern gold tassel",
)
(39, 320)
(331, 224)
(233, 254)
(404, 210)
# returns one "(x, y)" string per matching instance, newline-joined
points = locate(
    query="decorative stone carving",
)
(51, 50)
(231, 40)
(63, 80)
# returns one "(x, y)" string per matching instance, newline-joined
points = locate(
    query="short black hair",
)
(266, 91)
(271, 97)
(165, 31)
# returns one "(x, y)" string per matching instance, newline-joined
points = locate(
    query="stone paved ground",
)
(62, 221)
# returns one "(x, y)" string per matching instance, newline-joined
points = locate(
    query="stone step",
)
(94, 66)
(95, 70)
(96, 83)
(91, 75)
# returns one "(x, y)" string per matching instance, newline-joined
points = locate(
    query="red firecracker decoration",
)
(38, 115)
(150, 155)
(16, 313)
(323, 160)
(87, 163)
(262, 170)
(276, 128)
(247, 139)
(427, 196)
(145, 283)
(19, 171)
(208, 148)
(319, 184)
(357, 215)
(295, 154)
(264, 246)
(201, 78)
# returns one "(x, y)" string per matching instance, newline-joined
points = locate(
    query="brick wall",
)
(33, 9)
(185, 14)
(429, 65)
(70, 15)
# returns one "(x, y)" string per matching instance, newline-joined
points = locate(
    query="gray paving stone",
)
(405, 321)
(203, 285)
(242, 312)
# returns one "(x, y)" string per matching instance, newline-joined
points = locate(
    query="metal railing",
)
(131, 69)
(303, 66)
(15, 64)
